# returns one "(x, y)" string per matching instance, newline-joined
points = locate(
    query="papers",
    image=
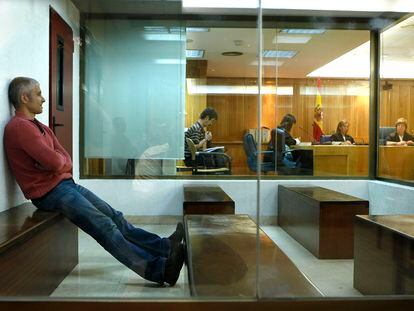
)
(212, 149)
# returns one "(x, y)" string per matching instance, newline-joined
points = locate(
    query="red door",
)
(60, 80)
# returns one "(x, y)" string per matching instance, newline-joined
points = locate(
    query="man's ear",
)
(24, 98)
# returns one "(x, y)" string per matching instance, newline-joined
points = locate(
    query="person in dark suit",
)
(341, 134)
(286, 126)
(294, 161)
(400, 137)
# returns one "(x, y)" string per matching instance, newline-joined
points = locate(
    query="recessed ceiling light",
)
(303, 31)
(279, 53)
(232, 53)
(197, 29)
(291, 39)
(238, 42)
(194, 53)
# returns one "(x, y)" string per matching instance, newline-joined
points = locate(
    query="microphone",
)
(307, 133)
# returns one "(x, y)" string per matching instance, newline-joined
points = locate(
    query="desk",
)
(396, 162)
(320, 219)
(384, 249)
(331, 160)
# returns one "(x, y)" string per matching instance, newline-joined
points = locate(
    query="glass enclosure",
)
(245, 114)
(396, 101)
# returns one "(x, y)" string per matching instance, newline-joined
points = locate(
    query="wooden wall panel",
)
(397, 100)
(237, 113)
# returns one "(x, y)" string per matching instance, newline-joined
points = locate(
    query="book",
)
(212, 149)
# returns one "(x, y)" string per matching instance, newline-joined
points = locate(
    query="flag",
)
(318, 115)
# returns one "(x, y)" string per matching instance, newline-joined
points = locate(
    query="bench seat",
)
(207, 200)
(222, 257)
(37, 250)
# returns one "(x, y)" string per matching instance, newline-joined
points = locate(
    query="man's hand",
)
(208, 136)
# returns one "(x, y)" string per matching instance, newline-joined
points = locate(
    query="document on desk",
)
(212, 149)
(304, 143)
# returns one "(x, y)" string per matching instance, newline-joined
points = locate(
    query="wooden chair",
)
(203, 170)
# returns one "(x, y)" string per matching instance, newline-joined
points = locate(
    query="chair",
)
(291, 162)
(383, 134)
(325, 139)
(203, 170)
(252, 154)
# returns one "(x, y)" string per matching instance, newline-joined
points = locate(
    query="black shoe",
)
(176, 237)
(174, 264)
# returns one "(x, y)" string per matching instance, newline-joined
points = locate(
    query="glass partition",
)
(396, 114)
(231, 121)
(303, 76)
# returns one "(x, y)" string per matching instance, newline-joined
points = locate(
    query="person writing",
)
(341, 134)
(400, 137)
(42, 168)
(285, 126)
(202, 139)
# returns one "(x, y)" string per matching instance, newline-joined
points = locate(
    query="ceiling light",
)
(163, 37)
(197, 29)
(194, 53)
(171, 61)
(291, 39)
(274, 63)
(232, 53)
(238, 42)
(156, 29)
(303, 31)
(196, 88)
(279, 53)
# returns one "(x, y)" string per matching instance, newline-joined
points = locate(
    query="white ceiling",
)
(319, 50)
(322, 49)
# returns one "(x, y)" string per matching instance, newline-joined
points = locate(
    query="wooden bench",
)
(320, 219)
(384, 255)
(206, 200)
(37, 251)
(222, 261)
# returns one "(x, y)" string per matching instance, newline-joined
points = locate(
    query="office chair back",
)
(252, 154)
(203, 170)
(383, 134)
(192, 148)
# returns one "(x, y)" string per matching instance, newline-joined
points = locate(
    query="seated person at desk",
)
(341, 134)
(400, 137)
(286, 126)
(202, 139)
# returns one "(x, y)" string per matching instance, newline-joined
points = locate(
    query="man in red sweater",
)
(42, 168)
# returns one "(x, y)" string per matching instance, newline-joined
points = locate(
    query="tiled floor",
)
(100, 275)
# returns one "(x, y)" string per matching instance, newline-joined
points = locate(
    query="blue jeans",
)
(141, 251)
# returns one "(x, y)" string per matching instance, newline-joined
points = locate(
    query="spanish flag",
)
(318, 115)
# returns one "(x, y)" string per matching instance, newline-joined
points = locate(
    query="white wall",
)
(388, 198)
(24, 51)
(165, 197)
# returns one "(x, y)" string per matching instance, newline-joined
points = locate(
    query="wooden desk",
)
(384, 255)
(222, 261)
(206, 200)
(320, 219)
(396, 162)
(333, 160)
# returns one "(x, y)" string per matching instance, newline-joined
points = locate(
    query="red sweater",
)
(37, 159)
